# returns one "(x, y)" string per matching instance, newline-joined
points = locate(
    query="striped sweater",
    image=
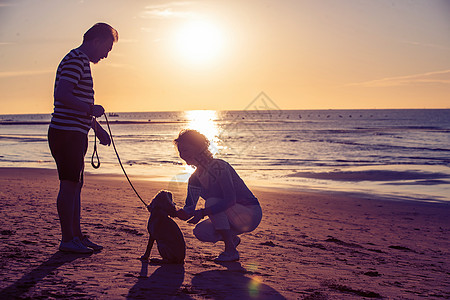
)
(74, 67)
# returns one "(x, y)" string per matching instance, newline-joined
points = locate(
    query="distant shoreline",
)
(248, 110)
(102, 122)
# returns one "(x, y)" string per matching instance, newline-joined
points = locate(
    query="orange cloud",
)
(437, 77)
(167, 10)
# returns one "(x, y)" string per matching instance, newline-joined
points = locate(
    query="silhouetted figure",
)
(230, 205)
(163, 230)
(72, 119)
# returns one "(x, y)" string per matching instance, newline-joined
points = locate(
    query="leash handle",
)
(95, 152)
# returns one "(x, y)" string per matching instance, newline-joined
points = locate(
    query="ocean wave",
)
(152, 162)
(385, 128)
(130, 122)
(371, 175)
(24, 138)
(12, 122)
(374, 146)
(115, 122)
(19, 160)
(356, 162)
(420, 182)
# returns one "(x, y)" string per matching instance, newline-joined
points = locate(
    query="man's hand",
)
(103, 137)
(198, 215)
(97, 110)
(101, 133)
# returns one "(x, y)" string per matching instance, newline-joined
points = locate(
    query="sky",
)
(221, 55)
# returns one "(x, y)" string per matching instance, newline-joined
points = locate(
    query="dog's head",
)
(163, 201)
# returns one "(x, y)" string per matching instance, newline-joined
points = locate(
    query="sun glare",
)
(199, 42)
(204, 122)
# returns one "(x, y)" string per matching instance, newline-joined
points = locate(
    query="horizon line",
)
(241, 110)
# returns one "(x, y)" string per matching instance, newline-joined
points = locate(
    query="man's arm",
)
(64, 94)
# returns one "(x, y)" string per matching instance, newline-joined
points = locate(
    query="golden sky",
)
(219, 55)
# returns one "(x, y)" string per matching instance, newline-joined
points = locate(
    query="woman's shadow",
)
(233, 283)
(164, 283)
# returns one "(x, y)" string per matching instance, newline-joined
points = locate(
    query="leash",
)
(95, 153)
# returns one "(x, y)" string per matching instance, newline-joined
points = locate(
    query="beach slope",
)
(310, 245)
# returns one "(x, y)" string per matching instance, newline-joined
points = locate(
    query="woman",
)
(231, 207)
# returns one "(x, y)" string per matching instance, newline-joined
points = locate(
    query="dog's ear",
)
(152, 204)
(156, 201)
(170, 207)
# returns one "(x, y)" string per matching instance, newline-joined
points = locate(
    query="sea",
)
(398, 154)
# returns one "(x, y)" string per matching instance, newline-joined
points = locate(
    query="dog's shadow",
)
(234, 283)
(164, 283)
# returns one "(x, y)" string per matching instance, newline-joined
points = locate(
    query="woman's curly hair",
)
(193, 137)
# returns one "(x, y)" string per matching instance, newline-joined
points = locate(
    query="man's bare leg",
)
(65, 207)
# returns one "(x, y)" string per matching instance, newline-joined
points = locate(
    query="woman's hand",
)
(181, 214)
(198, 215)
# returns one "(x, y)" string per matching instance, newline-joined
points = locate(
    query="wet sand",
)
(310, 245)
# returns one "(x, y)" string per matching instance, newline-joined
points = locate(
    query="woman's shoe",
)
(227, 256)
(236, 241)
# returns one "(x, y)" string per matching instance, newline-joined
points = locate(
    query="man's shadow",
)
(29, 280)
(164, 283)
(234, 283)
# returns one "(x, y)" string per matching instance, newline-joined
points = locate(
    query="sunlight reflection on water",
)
(204, 121)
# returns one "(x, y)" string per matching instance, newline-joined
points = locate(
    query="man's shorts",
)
(68, 149)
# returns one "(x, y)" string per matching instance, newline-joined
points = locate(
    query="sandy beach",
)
(310, 245)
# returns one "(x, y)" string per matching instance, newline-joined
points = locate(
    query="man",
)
(72, 119)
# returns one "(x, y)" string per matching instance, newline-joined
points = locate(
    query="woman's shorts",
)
(68, 149)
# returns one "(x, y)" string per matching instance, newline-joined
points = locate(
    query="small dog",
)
(163, 230)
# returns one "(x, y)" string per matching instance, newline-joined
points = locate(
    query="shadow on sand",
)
(233, 283)
(166, 280)
(29, 280)
(164, 283)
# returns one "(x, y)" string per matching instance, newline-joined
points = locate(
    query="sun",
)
(199, 42)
